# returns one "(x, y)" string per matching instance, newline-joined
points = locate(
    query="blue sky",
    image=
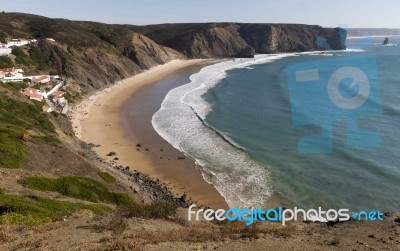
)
(354, 13)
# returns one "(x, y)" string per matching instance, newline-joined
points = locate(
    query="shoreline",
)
(99, 119)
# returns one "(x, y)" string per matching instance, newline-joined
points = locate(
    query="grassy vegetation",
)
(38, 59)
(21, 57)
(33, 210)
(15, 87)
(3, 37)
(47, 139)
(24, 115)
(71, 98)
(5, 62)
(77, 187)
(16, 119)
(13, 153)
(107, 177)
(31, 57)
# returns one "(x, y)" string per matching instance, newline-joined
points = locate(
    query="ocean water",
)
(235, 120)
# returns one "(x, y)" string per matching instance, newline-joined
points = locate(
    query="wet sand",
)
(119, 118)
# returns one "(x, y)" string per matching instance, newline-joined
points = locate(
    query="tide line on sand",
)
(98, 120)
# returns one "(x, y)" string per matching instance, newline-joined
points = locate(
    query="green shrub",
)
(77, 187)
(3, 37)
(34, 210)
(26, 220)
(117, 225)
(71, 98)
(38, 59)
(107, 177)
(5, 62)
(21, 57)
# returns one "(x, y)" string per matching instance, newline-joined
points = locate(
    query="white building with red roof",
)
(59, 96)
(40, 79)
(33, 93)
(11, 74)
(12, 70)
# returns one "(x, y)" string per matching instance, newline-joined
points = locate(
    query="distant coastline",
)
(374, 32)
(382, 36)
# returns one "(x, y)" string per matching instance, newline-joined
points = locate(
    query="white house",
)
(18, 42)
(12, 70)
(33, 93)
(40, 79)
(5, 51)
(11, 74)
(59, 96)
(14, 78)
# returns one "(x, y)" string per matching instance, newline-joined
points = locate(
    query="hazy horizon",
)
(355, 14)
(83, 20)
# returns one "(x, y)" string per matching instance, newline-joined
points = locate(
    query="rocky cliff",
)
(146, 53)
(243, 40)
(95, 54)
(276, 38)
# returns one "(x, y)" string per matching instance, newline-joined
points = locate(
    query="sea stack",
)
(386, 41)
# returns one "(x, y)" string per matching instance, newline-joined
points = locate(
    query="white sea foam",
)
(180, 120)
(354, 50)
(388, 45)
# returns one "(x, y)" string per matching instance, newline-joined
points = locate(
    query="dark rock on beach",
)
(153, 188)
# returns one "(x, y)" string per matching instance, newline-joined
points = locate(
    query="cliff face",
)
(146, 53)
(278, 38)
(95, 54)
(243, 40)
(209, 42)
(91, 67)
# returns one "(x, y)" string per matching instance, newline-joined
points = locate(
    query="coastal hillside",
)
(94, 54)
(91, 54)
(57, 194)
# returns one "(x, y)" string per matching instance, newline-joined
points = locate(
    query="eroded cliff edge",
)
(243, 40)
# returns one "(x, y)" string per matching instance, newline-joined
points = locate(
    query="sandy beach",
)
(99, 119)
